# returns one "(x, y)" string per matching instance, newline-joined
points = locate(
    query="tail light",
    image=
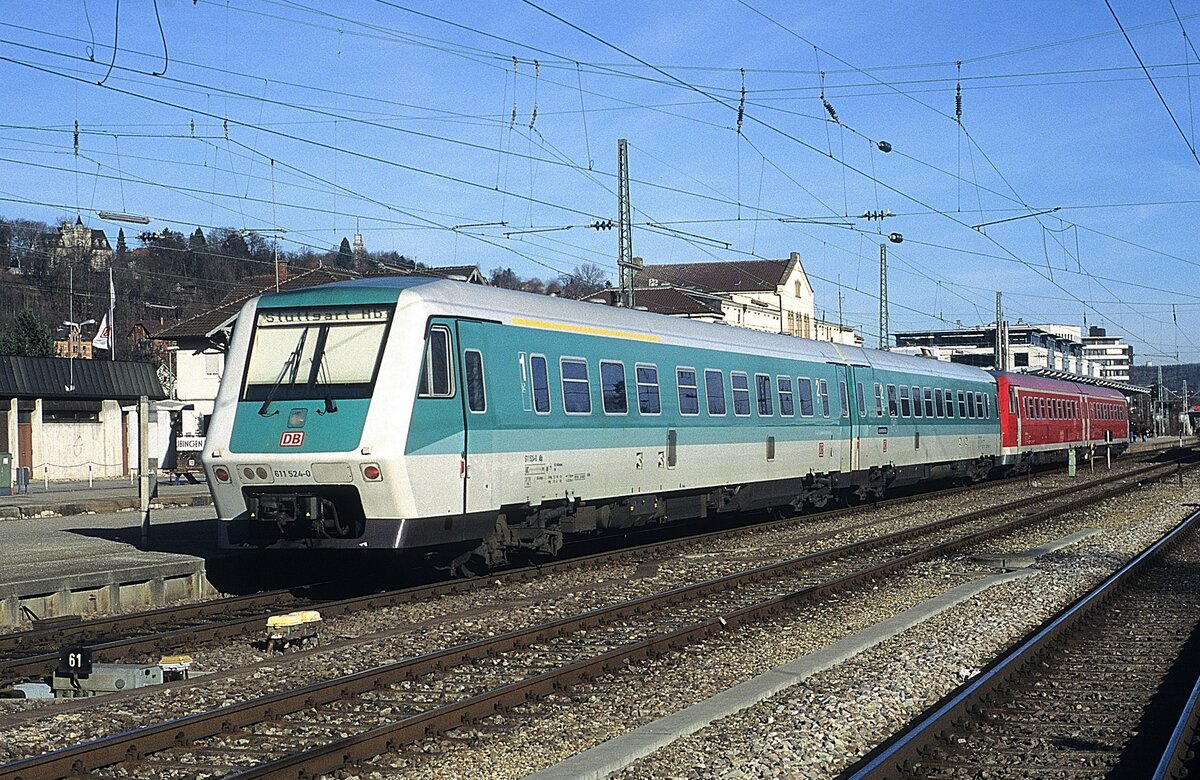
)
(371, 473)
(221, 473)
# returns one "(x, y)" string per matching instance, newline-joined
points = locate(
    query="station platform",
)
(101, 496)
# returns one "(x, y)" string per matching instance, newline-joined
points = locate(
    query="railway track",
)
(1100, 690)
(35, 652)
(324, 726)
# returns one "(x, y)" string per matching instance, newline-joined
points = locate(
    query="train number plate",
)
(293, 474)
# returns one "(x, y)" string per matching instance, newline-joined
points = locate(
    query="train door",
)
(478, 415)
(437, 434)
(862, 417)
(843, 414)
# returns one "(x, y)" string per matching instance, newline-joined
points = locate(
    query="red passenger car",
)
(1042, 419)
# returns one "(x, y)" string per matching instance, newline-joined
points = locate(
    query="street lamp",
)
(76, 328)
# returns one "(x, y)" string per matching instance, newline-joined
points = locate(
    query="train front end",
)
(287, 458)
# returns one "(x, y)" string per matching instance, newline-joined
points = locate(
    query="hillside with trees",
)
(166, 276)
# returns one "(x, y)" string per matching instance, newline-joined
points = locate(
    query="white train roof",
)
(527, 309)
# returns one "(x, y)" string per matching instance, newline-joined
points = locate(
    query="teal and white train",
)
(401, 412)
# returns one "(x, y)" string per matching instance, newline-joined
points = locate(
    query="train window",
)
(987, 406)
(762, 389)
(823, 396)
(962, 405)
(1041, 408)
(918, 402)
(786, 406)
(714, 390)
(893, 401)
(741, 393)
(979, 405)
(541, 384)
(878, 400)
(476, 395)
(844, 398)
(647, 389)
(929, 402)
(613, 395)
(576, 389)
(1030, 408)
(970, 406)
(949, 394)
(862, 400)
(905, 404)
(437, 381)
(804, 389)
(689, 399)
(938, 406)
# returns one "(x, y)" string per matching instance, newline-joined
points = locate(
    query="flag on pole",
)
(107, 322)
(102, 340)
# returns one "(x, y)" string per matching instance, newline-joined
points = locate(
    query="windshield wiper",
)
(293, 363)
(319, 372)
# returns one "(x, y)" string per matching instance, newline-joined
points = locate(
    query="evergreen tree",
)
(122, 247)
(27, 336)
(345, 258)
(197, 240)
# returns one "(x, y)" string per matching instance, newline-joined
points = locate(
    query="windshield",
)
(315, 353)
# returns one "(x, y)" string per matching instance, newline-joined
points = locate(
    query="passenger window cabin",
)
(905, 403)
(576, 387)
(878, 400)
(893, 402)
(476, 392)
(646, 377)
(823, 396)
(541, 384)
(689, 400)
(844, 398)
(949, 398)
(714, 391)
(740, 383)
(613, 396)
(787, 406)
(805, 390)
(763, 393)
(861, 397)
(437, 376)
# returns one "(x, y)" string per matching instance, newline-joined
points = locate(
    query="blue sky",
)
(396, 117)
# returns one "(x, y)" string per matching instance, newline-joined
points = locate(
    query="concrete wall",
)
(77, 450)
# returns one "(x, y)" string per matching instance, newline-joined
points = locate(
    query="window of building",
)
(476, 393)
(437, 379)
(762, 389)
(647, 389)
(786, 407)
(714, 390)
(805, 391)
(212, 365)
(741, 393)
(576, 389)
(689, 398)
(541, 384)
(613, 395)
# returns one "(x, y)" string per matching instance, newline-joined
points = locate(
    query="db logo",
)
(291, 439)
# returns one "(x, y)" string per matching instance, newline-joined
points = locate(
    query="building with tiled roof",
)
(768, 295)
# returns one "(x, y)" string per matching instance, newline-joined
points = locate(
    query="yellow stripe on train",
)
(586, 329)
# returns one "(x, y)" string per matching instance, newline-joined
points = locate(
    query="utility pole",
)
(999, 356)
(884, 336)
(625, 263)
